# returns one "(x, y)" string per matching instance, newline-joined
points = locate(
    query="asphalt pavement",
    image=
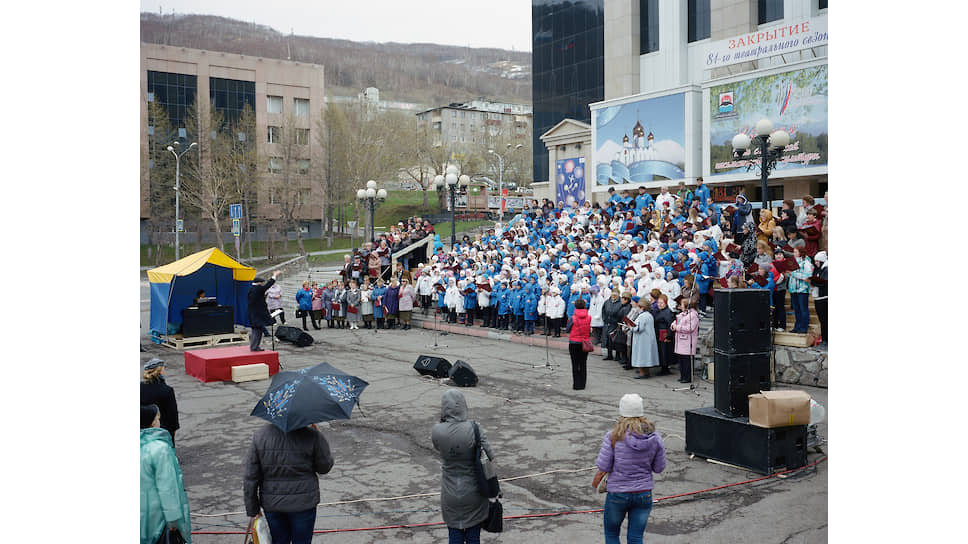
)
(544, 434)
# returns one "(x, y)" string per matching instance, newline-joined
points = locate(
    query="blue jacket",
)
(530, 307)
(163, 497)
(504, 301)
(702, 194)
(470, 301)
(643, 201)
(770, 284)
(517, 301)
(304, 297)
(378, 307)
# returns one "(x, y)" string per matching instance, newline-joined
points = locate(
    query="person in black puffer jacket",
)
(280, 477)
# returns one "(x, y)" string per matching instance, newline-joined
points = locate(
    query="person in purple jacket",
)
(630, 453)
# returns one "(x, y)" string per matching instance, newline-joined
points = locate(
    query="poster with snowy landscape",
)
(641, 141)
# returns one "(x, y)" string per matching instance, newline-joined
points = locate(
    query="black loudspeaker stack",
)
(733, 440)
(741, 348)
(463, 375)
(428, 365)
(741, 342)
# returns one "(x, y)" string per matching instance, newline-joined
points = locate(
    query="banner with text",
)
(786, 38)
(794, 101)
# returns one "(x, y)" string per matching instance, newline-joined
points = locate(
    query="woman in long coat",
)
(686, 327)
(462, 505)
(379, 301)
(392, 303)
(353, 299)
(326, 301)
(645, 351)
(407, 296)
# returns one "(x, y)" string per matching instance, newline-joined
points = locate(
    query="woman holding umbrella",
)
(287, 453)
(462, 504)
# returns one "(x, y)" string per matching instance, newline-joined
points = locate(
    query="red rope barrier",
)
(527, 516)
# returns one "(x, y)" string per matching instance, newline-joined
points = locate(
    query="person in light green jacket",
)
(164, 503)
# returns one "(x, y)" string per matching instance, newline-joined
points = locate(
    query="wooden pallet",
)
(179, 342)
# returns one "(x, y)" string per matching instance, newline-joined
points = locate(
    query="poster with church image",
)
(641, 141)
(794, 101)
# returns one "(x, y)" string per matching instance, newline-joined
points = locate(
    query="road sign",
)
(236, 227)
(180, 225)
(235, 211)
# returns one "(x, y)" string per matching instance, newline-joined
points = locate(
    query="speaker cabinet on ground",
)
(737, 376)
(741, 322)
(463, 375)
(428, 365)
(712, 435)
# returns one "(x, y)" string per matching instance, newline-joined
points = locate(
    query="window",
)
(698, 20)
(304, 196)
(151, 163)
(151, 96)
(453, 114)
(274, 104)
(182, 133)
(272, 197)
(151, 130)
(648, 26)
(275, 165)
(241, 136)
(770, 10)
(275, 135)
(302, 166)
(302, 136)
(301, 107)
(823, 5)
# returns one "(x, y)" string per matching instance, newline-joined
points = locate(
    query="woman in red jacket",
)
(581, 328)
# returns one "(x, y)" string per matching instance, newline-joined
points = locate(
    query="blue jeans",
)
(291, 527)
(471, 535)
(801, 312)
(638, 506)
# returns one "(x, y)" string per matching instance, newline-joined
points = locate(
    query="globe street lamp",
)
(770, 144)
(451, 180)
(178, 157)
(368, 198)
(500, 178)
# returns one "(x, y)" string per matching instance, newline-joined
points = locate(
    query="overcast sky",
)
(505, 24)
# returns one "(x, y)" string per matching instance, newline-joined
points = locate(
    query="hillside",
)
(423, 73)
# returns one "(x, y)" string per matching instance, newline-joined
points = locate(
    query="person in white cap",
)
(630, 454)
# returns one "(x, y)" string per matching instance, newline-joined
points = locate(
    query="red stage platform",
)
(215, 364)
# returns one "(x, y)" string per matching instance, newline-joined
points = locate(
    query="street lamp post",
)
(368, 198)
(178, 157)
(770, 144)
(500, 178)
(451, 180)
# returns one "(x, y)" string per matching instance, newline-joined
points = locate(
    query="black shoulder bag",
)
(488, 485)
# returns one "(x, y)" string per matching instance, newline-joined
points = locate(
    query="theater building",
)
(682, 78)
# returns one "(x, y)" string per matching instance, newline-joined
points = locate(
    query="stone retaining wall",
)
(797, 366)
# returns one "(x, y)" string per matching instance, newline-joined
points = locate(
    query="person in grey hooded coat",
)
(462, 504)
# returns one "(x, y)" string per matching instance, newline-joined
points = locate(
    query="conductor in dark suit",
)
(258, 311)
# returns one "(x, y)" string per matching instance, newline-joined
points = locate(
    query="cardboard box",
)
(779, 408)
(257, 371)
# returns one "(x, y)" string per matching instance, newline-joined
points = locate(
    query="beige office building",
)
(474, 123)
(276, 89)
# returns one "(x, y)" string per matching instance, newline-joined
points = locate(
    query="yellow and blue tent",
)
(174, 285)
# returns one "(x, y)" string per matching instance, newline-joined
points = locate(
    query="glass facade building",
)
(568, 66)
(176, 92)
(230, 96)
